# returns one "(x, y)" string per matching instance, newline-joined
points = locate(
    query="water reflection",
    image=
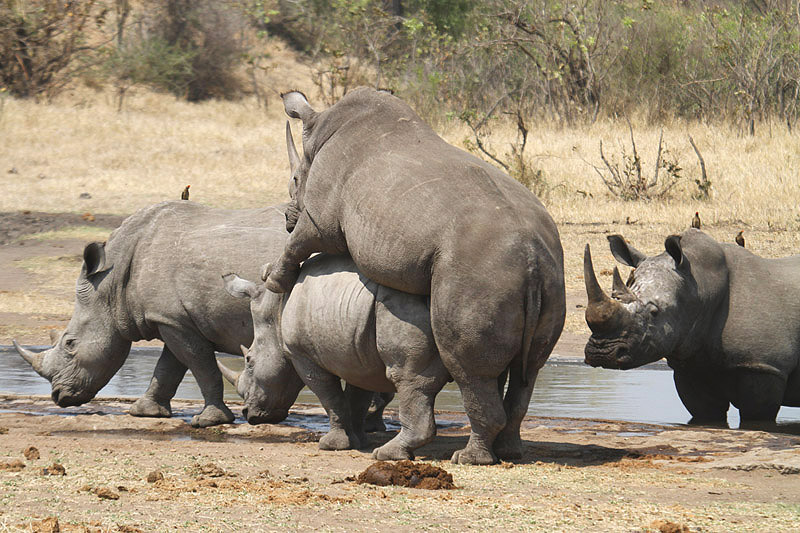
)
(565, 388)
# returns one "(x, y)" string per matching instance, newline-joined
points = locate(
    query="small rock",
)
(31, 453)
(3, 430)
(154, 476)
(84, 196)
(104, 493)
(88, 217)
(14, 466)
(210, 470)
(128, 529)
(264, 474)
(54, 470)
(122, 488)
(41, 176)
(13, 170)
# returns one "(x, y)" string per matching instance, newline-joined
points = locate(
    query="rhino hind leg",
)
(508, 444)
(198, 355)
(328, 388)
(168, 374)
(360, 401)
(418, 427)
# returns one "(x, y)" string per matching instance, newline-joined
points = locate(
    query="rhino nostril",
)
(55, 394)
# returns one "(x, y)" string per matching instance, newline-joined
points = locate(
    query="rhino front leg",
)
(359, 400)
(303, 242)
(198, 355)
(167, 375)
(704, 406)
(328, 388)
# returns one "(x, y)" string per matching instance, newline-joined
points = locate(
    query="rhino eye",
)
(247, 359)
(653, 309)
(70, 345)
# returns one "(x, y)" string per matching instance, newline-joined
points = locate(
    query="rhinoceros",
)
(336, 324)
(158, 278)
(423, 217)
(726, 320)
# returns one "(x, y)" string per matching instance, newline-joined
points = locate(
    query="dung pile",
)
(406, 474)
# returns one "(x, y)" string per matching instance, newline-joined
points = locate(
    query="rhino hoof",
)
(389, 452)
(212, 416)
(469, 456)
(337, 439)
(147, 407)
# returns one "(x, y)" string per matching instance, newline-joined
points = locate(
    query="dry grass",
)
(83, 233)
(233, 154)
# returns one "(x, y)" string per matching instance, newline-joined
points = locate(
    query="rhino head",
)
(87, 354)
(646, 318)
(269, 383)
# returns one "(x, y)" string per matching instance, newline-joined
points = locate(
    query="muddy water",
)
(565, 388)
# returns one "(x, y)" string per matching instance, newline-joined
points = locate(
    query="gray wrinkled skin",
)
(726, 320)
(424, 217)
(336, 324)
(158, 278)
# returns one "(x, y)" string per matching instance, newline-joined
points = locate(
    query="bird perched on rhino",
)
(696, 220)
(740, 238)
(185, 193)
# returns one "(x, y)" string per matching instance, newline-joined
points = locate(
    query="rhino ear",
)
(94, 258)
(623, 252)
(238, 287)
(296, 106)
(675, 249)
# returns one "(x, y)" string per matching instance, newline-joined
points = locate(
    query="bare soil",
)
(95, 468)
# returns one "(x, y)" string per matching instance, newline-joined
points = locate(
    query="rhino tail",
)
(533, 306)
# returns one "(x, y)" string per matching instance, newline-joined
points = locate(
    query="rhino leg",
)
(508, 444)
(328, 388)
(699, 400)
(167, 375)
(303, 242)
(374, 420)
(198, 354)
(416, 396)
(359, 400)
(758, 395)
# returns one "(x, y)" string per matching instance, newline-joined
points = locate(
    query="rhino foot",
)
(392, 452)
(338, 439)
(508, 448)
(213, 415)
(279, 280)
(473, 456)
(147, 407)
(374, 424)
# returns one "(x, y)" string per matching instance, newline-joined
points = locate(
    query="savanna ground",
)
(72, 169)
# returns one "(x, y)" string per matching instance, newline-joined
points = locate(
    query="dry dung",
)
(209, 470)
(31, 453)
(154, 476)
(14, 466)
(105, 493)
(48, 525)
(665, 526)
(406, 474)
(54, 470)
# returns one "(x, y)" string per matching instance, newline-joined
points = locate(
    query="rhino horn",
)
(34, 359)
(619, 290)
(602, 313)
(294, 158)
(231, 375)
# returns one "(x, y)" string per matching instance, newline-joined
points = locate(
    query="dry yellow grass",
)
(233, 154)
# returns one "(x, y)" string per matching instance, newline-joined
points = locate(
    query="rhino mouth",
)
(65, 398)
(606, 353)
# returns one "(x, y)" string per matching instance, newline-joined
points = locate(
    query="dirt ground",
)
(126, 474)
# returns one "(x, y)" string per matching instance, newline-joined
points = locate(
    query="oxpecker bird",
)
(740, 239)
(185, 193)
(696, 220)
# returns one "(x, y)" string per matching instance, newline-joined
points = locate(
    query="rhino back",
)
(174, 254)
(763, 315)
(397, 190)
(329, 318)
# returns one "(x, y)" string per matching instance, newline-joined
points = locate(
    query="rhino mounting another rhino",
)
(336, 324)
(158, 278)
(726, 320)
(423, 217)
